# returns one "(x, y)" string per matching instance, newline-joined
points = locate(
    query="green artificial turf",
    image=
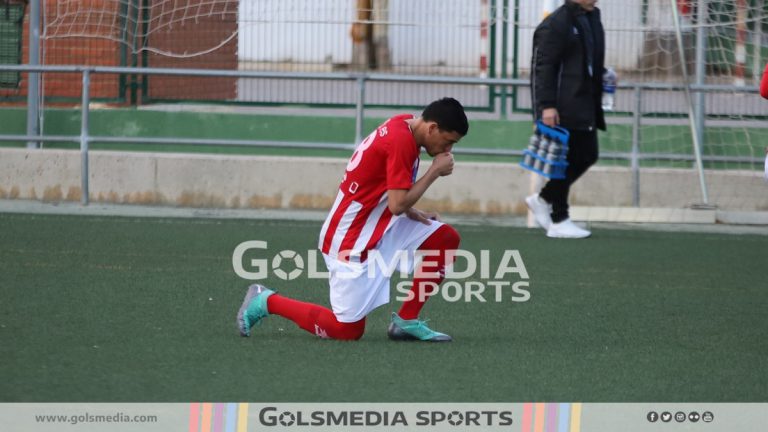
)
(143, 309)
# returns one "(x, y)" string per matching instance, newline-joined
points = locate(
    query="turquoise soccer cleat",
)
(253, 309)
(401, 330)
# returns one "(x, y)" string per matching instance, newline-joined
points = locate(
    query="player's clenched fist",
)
(443, 164)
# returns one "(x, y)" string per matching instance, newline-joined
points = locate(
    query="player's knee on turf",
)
(353, 330)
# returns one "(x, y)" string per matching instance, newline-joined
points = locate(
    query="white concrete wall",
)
(308, 31)
(193, 180)
(275, 30)
(423, 32)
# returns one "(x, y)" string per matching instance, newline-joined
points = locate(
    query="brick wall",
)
(191, 36)
(173, 31)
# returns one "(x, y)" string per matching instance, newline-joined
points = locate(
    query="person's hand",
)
(550, 117)
(424, 217)
(442, 164)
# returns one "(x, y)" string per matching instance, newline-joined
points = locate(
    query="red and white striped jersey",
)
(387, 159)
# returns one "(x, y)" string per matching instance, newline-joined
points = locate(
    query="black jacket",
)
(560, 75)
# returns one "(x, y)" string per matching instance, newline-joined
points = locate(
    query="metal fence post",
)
(757, 37)
(33, 89)
(515, 52)
(635, 155)
(359, 109)
(504, 58)
(492, 21)
(84, 135)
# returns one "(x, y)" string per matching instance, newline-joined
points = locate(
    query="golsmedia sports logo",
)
(273, 417)
(469, 276)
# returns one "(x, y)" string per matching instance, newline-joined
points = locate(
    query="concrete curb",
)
(236, 186)
(23, 207)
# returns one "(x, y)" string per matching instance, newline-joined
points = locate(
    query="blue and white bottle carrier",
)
(547, 151)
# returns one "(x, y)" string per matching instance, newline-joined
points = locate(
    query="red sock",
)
(315, 319)
(444, 239)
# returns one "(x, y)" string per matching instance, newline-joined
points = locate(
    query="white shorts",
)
(355, 292)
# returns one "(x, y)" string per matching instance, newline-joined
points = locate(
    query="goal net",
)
(722, 45)
(670, 47)
(142, 33)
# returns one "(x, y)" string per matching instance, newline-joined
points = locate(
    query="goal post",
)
(695, 121)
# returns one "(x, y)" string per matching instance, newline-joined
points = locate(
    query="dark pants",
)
(582, 154)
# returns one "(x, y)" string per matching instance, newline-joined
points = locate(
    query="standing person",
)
(566, 84)
(373, 214)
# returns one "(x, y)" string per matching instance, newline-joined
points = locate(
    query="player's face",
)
(439, 141)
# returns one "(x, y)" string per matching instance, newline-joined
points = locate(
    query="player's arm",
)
(400, 200)
(764, 83)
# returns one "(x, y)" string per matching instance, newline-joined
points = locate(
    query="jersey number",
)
(357, 156)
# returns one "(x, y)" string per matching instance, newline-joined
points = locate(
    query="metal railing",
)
(361, 78)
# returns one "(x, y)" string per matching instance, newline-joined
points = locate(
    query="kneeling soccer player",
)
(373, 214)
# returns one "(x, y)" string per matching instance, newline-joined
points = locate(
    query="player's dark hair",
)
(448, 114)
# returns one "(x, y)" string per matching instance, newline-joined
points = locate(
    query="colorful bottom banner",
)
(513, 417)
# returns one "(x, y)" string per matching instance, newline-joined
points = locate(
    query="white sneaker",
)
(567, 229)
(541, 210)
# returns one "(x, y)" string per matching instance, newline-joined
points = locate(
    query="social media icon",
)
(708, 416)
(693, 416)
(652, 417)
(680, 416)
(666, 416)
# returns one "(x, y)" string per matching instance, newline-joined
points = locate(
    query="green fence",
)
(11, 20)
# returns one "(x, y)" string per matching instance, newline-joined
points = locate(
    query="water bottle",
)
(555, 149)
(553, 156)
(542, 154)
(609, 89)
(547, 167)
(533, 148)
